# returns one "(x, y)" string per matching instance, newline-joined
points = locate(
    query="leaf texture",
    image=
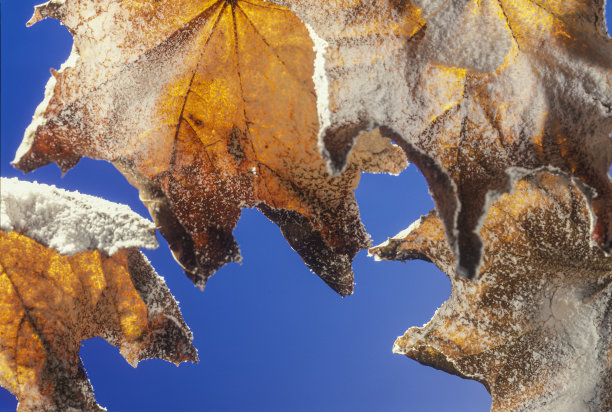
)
(478, 93)
(535, 328)
(207, 107)
(50, 303)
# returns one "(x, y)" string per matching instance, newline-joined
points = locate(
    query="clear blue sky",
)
(262, 345)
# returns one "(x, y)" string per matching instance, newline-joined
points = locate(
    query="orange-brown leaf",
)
(535, 328)
(206, 107)
(50, 303)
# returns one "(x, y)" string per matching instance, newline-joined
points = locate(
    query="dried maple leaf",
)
(536, 327)
(50, 302)
(477, 93)
(207, 107)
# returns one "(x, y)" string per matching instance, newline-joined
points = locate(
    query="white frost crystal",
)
(71, 222)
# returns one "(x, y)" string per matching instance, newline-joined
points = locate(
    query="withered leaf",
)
(207, 107)
(477, 93)
(57, 291)
(536, 327)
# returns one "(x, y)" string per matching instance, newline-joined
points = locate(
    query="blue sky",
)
(271, 335)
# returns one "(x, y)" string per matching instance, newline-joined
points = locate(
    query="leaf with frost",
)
(207, 107)
(51, 301)
(477, 93)
(536, 327)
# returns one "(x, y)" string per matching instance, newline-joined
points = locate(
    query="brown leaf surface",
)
(50, 303)
(207, 107)
(477, 93)
(536, 327)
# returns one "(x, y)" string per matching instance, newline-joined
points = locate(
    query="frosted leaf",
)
(206, 107)
(70, 270)
(535, 328)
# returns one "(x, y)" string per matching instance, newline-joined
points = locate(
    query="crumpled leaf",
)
(478, 93)
(536, 327)
(207, 107)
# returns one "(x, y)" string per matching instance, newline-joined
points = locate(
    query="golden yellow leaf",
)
(50, 303)
(207, 107)
(478, 93)
(536, 327)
